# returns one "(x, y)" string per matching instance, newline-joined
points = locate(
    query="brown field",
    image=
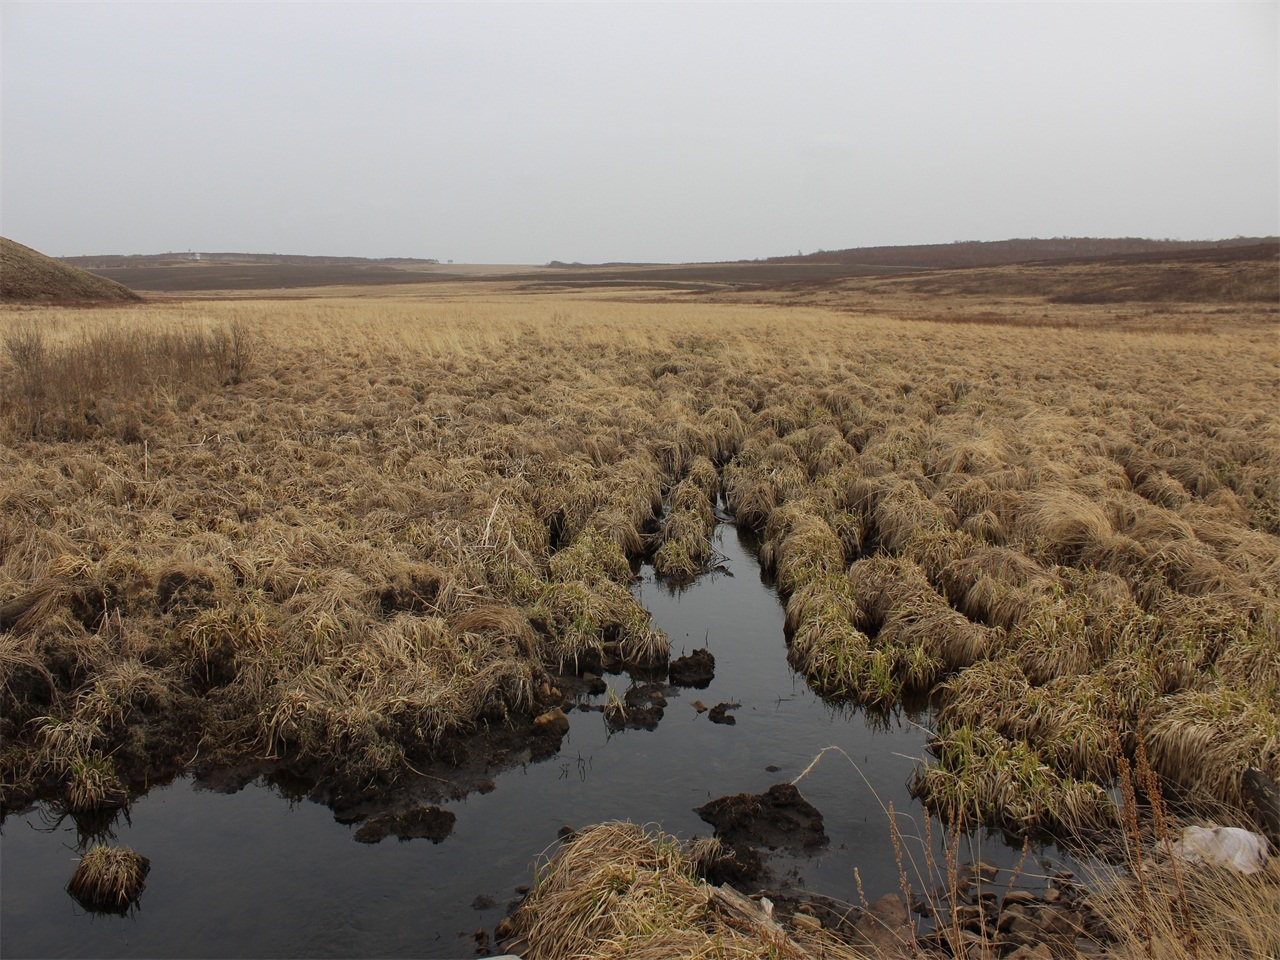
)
(344, 532)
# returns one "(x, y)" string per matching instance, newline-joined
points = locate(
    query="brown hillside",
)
(975, 253)
(27, 276)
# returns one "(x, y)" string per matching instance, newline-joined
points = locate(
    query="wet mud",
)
(696, 670)
(780, 819)
(720, 713)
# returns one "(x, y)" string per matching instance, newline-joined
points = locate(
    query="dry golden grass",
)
(109, 879)
(618, 891)
(340, 531)
(1191, 913)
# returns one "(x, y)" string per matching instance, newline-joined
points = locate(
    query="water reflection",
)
(91, 827)
(298, 885)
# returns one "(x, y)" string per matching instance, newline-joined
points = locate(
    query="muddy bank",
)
(981, 907)
(463, 763)
(265, 842)
(463, 766)
(778, 819)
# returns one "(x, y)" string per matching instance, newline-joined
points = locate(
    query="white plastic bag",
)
(1241, 850)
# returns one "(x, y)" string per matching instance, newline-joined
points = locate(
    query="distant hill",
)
(185, 272)
(27, 276)
(202, 273)
(978, 253)
(115, 261)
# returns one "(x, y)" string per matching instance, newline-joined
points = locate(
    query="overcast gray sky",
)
(661, 132)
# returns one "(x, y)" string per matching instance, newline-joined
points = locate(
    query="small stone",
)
(771, 768)
(1052, 895)
(885, 927)
(699, 706)
(966, 942)
(522, 889)
(1023, 897)
(1024, 930)
(803, 921)
(553, 721)
(1061, 921)
(595, 686)
(483, 901)
(1039, 952)
(566, 832)
(986, 871)
(1008, 915)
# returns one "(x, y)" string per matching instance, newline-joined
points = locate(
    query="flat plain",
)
(344, 530)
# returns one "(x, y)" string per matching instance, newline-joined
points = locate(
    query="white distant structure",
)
(192, 256)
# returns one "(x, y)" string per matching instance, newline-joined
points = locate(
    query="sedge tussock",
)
(1201, 742)
(591, 558)
(983, 777)
(1066, 523)
(92, 784)
(811, 551)
(618, 891)
(109, 879)
(374, 521)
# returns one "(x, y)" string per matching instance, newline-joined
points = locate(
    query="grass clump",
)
(109, 879)
(616, 890)
(982, 777)
(1190, 914)
(92, 784)
(684, 541)
(409, 509)
(114, 379)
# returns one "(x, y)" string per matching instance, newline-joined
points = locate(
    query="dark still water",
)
(251, 874)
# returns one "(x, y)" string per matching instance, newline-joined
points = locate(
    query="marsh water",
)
(253, 873)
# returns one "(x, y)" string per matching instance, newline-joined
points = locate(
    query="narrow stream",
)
(251, 874)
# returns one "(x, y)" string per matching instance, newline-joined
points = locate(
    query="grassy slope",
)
(27, 276)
